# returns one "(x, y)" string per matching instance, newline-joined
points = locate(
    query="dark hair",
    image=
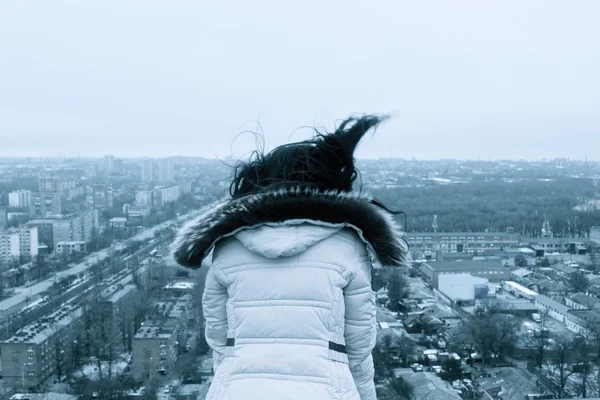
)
(325, 162)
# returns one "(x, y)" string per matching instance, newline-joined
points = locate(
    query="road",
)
(31, 292)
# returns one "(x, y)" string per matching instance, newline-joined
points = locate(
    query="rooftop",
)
(39, 331)
(548, 302)
(466, 265)
(426, 385)
(584, 300)
(163, 319)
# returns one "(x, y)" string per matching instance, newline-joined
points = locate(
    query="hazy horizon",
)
(464, 80)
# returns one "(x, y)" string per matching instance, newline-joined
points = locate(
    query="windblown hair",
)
(325, 162)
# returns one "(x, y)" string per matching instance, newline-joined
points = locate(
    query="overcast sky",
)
(462, 79)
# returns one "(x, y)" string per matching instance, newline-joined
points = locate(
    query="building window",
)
(30, 348)
(30, 356)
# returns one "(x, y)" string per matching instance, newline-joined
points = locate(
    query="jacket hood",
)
(283, 240)
(374, 225)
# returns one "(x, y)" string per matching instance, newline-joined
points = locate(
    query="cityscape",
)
(93, 305)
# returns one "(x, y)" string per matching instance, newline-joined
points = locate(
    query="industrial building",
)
(463, 289)
(492, 270)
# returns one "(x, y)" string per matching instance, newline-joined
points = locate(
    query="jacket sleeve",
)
(214, 307)
(361, 329)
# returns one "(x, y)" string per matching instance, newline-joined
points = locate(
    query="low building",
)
(463, 289)
(426, 385)
(493, 270)
(472, 243)
(582, 301)
(9, 247)
(555, 310)
(521, 273)
(33, 354)
(71, 247)
(579, 321)
(118, 222)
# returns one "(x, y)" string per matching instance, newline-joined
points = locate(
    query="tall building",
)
(9, 247)
(19, 199)
(28, 241)
(165, 170)
(102, 196)
(44, 204)
(50, 184)
(147, 170)
(109, 162)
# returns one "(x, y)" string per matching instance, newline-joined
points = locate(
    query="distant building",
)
(109, 162)
(595, 235)
(547, 245)
(45, 204)
(66, 228)
(147, 170)
(71, 247)
(143, 198)
(28, 241)
(3, 217)
(492, 270)
(118, 222)
(165, 170)
(19, 199)
(462, 242)
(50, 184)
(29, 357)
(102, 196)
(9, 247)
(154, 345)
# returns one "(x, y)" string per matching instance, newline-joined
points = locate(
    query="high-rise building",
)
(44, 204)
(109, 162)
(50, 184)
(165, 170)
(147, 170)
(28, 241)
(102, 196)
(19, 199)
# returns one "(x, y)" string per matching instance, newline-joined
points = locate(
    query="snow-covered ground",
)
(90, 370)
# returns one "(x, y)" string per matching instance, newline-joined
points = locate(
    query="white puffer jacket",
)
(290, 314)
(289, 309)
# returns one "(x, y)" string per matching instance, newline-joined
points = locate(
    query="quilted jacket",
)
(289, 309)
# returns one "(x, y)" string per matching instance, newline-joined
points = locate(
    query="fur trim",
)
(197, 238)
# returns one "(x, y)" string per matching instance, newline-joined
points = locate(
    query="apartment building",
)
(165, 170)
(78, 227)
(9, 247)
(154, 345)
(45, 204)
(19, 199)
(34, 353)
(102, 196)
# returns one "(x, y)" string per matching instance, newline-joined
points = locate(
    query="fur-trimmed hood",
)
(376, 226)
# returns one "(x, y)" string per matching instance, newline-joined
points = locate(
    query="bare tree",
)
(491, 332)
(397, 288)
(538, 344)
(559, 367)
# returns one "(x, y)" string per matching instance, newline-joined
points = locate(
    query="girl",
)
(289, 309)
